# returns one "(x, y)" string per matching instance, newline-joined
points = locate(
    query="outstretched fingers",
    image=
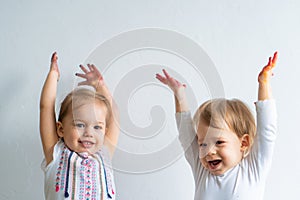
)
(166, 74)
(83, 69)
(80, 75)
(266, 72)
(161, 78)
(54, 57)
(96, 71)
(272, 61)
(166, 79)
(169, 80)
(92, 76)
(90, 67)
(54, 65)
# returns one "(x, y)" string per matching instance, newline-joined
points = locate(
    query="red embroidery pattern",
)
(84, 173)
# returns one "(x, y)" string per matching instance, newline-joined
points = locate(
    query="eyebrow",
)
(98, 122)
(215, 138)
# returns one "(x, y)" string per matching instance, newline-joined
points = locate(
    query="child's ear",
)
(245, 142)
(59, 129)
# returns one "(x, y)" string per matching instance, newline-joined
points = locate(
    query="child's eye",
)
(98, 127)
(79, 125)
(219, 142)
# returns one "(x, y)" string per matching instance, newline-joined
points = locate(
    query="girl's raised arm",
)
(47, 110)
(95, 79)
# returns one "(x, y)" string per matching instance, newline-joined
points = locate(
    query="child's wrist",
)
(98, 86)
(179, 94)
(180, 97)
(264, 83)
(101, 88)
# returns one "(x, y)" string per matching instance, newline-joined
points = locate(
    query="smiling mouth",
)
(86, 144)
(214, 163)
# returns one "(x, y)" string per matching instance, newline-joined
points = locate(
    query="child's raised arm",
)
(264, 89)
(178, 90)
(47, 110)
(95, 79)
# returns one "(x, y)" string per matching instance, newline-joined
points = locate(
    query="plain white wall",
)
(237, 35)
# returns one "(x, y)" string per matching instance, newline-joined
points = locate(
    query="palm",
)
(266, 72)
(92, 76)
(170, 81)
(54, 65)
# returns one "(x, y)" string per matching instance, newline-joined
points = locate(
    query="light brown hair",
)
(236, 115)
(81, 96)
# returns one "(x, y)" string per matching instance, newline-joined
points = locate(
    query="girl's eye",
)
(219, 142)
(79, 125)
(98, 127)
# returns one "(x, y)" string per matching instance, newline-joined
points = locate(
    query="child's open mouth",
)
(87, 144)
(214, 163)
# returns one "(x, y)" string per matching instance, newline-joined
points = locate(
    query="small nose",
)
(212, 150)
(88, 132)
(207, 151)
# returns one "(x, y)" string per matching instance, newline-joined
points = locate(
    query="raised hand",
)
(173, 84)
(264, 89)
(92, 76)
(178, 89)
(54, 65)
(266, 72)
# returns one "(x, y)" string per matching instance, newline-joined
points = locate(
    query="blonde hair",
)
(81, 96)
(221, 113)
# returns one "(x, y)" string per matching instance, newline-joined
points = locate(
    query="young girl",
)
(230, 157)
(77, 163)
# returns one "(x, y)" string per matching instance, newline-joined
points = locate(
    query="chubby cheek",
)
(74, 135)
(103, 133)
(204, 163)
(101, 139)
(232, 157)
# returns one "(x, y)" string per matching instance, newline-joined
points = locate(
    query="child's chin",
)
(217, 173)
(84, 150)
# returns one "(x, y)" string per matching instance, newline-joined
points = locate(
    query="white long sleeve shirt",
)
(245, 181)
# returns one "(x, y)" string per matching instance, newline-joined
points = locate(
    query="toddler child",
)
(229, 155)
(77, 163)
